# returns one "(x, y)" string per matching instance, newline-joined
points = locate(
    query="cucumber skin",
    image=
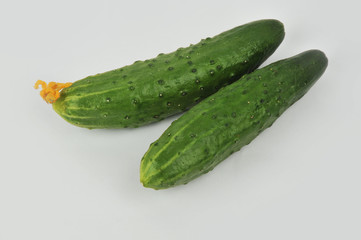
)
(151, 90)
(228, 120)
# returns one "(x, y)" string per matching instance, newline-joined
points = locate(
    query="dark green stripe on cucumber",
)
(228, 120)
(151, 90)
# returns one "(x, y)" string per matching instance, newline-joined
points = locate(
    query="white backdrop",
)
(300, 179)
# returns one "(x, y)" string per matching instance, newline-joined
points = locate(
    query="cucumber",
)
(228, 120)
(151, 90)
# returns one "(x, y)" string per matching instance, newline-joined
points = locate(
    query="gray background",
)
(300, 179)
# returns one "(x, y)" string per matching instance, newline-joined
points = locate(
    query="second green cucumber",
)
(229, 119)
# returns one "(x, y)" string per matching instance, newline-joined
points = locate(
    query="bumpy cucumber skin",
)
(151, 90)
(228, 120)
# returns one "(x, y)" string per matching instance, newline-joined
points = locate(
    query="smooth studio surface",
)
(298, 180)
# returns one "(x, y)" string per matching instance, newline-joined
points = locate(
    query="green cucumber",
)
(228, 120)
(151, 90)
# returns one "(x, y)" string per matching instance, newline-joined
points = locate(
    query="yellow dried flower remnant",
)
(50, 92)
